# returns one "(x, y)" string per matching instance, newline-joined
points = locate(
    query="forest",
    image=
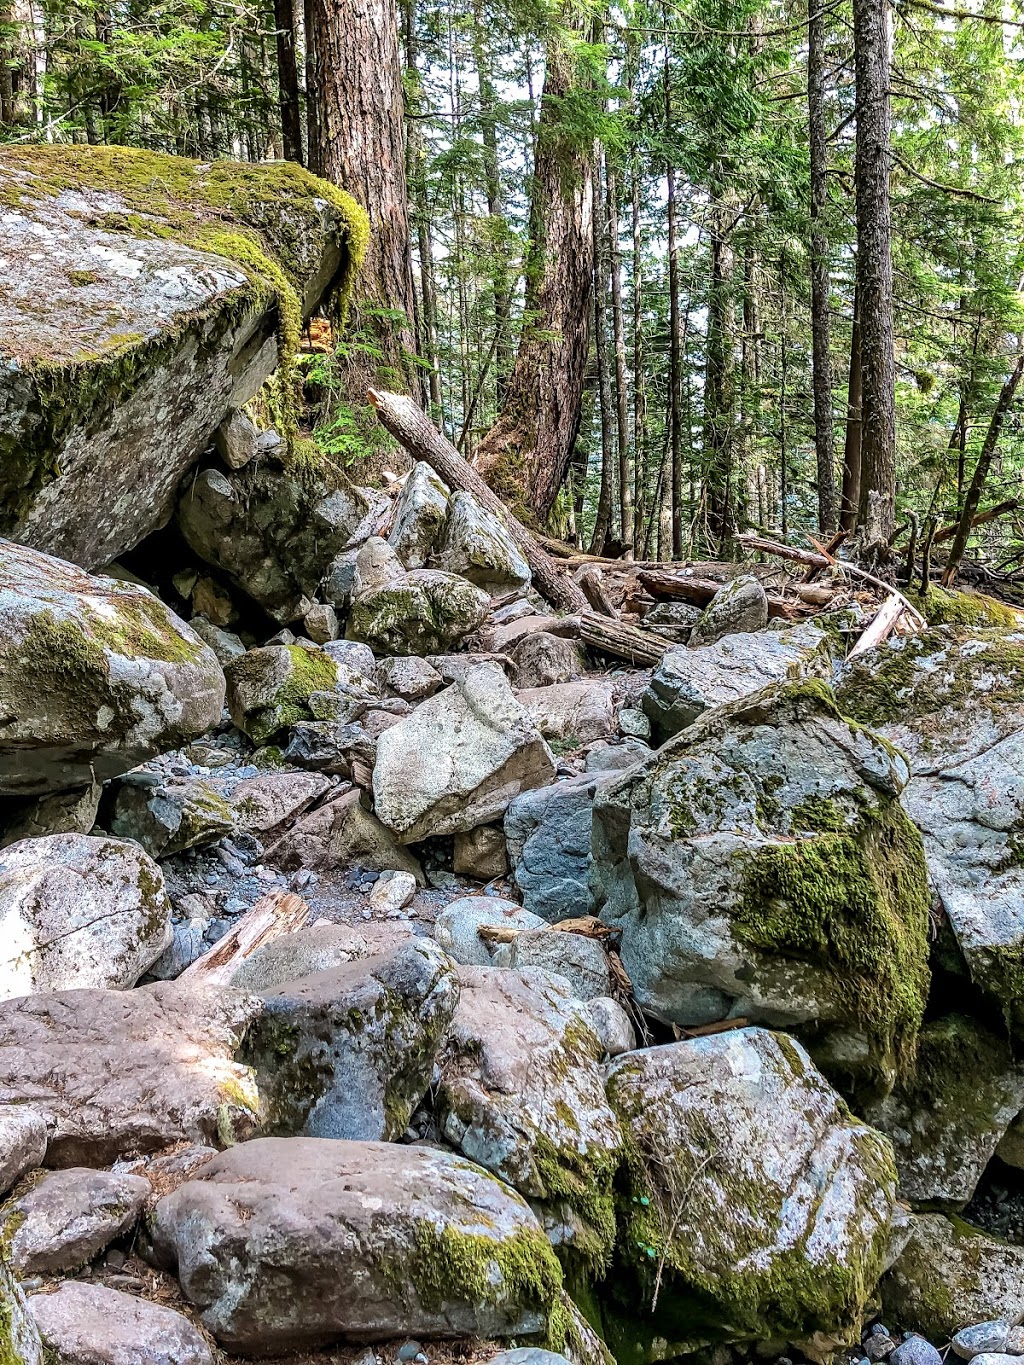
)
(664, 273)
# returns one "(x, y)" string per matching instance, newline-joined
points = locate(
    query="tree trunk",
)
(526, 453)
(871, 33)
(313, 158)
(416, 165)
(501, 289)
(621, 387)
(718, 380)
(362, 144)
(674, 490)
(981, 469)
(603, 519)
(851, 450)
(288, 81)
(824, 446)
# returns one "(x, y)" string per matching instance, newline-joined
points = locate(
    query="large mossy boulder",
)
(145, 296)
(952, 698)
(760, 865)
(20, 1343)
(755, 1208)
(96, 676)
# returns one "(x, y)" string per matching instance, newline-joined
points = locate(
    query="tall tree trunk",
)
(416, 163)
(675, 484)
(871, 32)
(288, 81)
(718, 378)
(619, 335)
(362, 145)
(603, 522)
(7, 41)
(501, 288)
(313, 158)
(851, 448)
(824, 445)
(525, 454)
(981, 469)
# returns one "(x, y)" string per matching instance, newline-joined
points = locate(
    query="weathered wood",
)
(275, 914)
(642, 648)
(1000, 509)
(592, 585)
(413, 429)
(881, 627)
(700, 591)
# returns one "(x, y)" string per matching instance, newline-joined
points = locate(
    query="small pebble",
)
(410, 1350)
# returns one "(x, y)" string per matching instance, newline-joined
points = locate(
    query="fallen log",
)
(1000, 509)
(700, 591)
(413, 429)
(275, 914)
(884, 623)
(592, 585)
(642, 648)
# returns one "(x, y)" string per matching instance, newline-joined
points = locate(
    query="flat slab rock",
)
(285, 1244)
(88, 1324)
(68, 1217)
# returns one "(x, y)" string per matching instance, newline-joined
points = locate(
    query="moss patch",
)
(943, 607)
(451, 1266)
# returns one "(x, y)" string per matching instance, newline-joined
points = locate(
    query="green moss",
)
(449, 1265)
(943, 607)
(583, 1181)
(81, 278)
(310, 672)
(854, 901)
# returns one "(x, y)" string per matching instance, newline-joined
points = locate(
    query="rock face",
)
(69, 1217)
(946, 1119)
(688, 682)
(79, 911)
(96, 676)
(477, 546)
(273, 532)
(380, 1240)
(760, 865)
(953, 700)
(422, 612)
(768, 1207)
(548, 836)
(88, 1324)
(347, 1053)
(420, 516)
(269, 689)
(520, 1092)
(114, 1073)
(22, 1143)
(459, 759)
(165, 819)
(950, 1274)
(573, 712)
(21, 1342)
(153, 327)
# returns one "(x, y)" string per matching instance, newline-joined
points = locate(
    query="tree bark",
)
(718, 378)
(362, 145)
(981, 469)
(674, 489)
(526, 453)
(288, 80)
(821, 360)
(619, 336)
(851, 449)
(313, 157)
(871, 35)
(603, 519)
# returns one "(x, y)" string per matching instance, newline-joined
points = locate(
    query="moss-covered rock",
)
(952, 1275)
(287, 1245)
(752, 1206)
(172, 816)
(947, 1116)
(760, 865)
(947, 607)
(147, 296)
(520, 1093)
(19, 1337)
(269, 689)
(422, 612)
(96, 676)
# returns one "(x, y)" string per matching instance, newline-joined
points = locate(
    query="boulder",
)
(737, 608)
(265, 804)
(521, 1093)
(688, 682)
(237, 439)
(760, 865)
(343, 833)
(548, 836)
(96, 675)
(541, 660)
(89, 1324)
(459, 759)
(573, 713)
(114, 1073)
(224, 643)
(269, 689)
(408, 677)
(274, 530)
(420, 515)
(950, 1275)
(67, 812)
(79, 911)
(348, 1052)
(612, 1025)
(22, 1143)
(21, 1342)
(456, 927)
(168, 817)
(479, 547)
(316, 949)
(170, 286)
(580, 961)
(480, 853)
(952, 698)
(947, 1117)
(68, 1217)
(288, 1245)
(758, 1203)
(357, 659)
(423, 612)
